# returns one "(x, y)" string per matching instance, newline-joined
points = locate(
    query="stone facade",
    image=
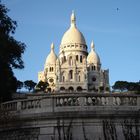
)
(74, 69)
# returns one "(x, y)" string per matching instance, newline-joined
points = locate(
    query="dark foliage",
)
(19, 84)
(41, 86)
(11, 52)
(128, 86)
(29, 84)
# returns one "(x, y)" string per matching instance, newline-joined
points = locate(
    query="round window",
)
(51, 80)
(93, 79)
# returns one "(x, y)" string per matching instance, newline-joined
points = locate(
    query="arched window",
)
(79, 88)
(71, 89)
(62, 88)
(51, 69)
(64, 58)
(92, 68)
(81, 58)
(71, 74)
(79, 78)
(70, 61)
(76, 57)
(63, 78)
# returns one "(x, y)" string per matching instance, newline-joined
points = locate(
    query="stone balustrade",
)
(97, 100)
(10, 106)
(44, 116)
(30, 104)
(42, 102)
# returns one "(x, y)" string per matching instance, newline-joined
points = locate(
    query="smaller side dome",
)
(51, 59)
(93, 57)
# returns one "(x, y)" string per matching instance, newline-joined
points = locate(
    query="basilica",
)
(74, 68)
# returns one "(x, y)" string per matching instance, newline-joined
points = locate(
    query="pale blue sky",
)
(116, 33)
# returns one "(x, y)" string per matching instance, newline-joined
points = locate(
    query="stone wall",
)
(62, 116)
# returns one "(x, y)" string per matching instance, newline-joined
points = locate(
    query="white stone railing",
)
(10, 106)
(67, 101)
(98, 100)
(30, 104)
(21, 105)
(49, 102)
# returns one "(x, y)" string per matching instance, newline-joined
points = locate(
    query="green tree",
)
(42, 86)
(124, 85)
(11, 52)
(132, 86)
(29, 84)
(19, 84)
(120, 85)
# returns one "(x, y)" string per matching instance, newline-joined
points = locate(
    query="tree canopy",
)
(19, 84)
(126, 86)
(42, 86)
(11, 52)
(29, 84)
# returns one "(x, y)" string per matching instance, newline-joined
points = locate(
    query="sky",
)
(113, 25)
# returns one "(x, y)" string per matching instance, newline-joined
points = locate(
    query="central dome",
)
(73, 35)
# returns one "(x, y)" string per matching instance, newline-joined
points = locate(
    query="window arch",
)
(62, 88)
(64, 59)
(76, 57)
(79, 78)
(70, 61)
(81, 58)
(71, 89)
(71, 74)
(51, 69)
(63, 78)
(79, 88)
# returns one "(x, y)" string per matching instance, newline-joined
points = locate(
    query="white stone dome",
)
(93, 57)
(51, 58)
(73, 35)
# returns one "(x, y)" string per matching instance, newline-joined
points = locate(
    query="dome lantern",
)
(52, 46)
(92, 46)
(73, 19)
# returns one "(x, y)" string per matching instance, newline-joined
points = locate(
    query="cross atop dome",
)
(92, 46)
(73, 19)
(52, 46)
